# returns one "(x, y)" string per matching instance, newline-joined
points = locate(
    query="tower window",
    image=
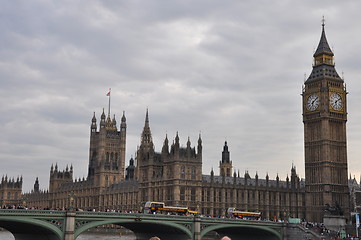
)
(193, 173)
(182, 172)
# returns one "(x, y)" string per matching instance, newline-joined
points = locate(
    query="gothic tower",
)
(174, 175)
(225, 165)
(107, 151)
(324, 118)
(148, 165)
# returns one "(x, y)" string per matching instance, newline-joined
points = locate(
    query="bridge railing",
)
(135, 215)
(31, 212)
(243, 221)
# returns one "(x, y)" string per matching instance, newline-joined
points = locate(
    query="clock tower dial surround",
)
(324, 117)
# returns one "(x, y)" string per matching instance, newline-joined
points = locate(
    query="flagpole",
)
(109, 102)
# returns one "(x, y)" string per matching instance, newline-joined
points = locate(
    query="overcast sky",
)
(230, 70)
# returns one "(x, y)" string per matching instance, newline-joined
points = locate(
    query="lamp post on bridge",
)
(140, 208)
(23, 202)
(198, 212)
(71, 201)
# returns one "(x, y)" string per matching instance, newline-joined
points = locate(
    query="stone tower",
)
(58, 178)
(10, 191)
(107, 151)
(324, 118)
(225, 165)
(174, 175)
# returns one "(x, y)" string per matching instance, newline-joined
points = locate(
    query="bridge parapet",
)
(62, 225)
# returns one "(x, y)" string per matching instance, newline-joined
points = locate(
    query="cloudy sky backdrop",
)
(230, 70)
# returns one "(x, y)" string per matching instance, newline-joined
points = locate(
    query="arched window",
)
(182, 193)
(193, 194)
(183, 174)
(193, 173)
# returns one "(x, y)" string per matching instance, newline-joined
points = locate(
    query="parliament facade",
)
(174, 175)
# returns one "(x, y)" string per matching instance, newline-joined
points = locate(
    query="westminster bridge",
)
(63, 225)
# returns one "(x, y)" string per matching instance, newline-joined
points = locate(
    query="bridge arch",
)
(32, 228)
(237, 231)
(152, 227)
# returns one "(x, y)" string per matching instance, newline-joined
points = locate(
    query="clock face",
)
(312, 102)
(336, 101)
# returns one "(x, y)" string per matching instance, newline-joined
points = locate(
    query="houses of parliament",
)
(174, 175)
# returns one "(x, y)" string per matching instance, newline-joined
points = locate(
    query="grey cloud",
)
(231, 70)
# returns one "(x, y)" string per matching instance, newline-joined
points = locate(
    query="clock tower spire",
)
(324, 118)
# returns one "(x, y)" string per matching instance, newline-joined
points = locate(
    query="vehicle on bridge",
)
(160, 207)
(232, 212)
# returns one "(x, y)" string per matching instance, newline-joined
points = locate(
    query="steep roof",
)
(323, 47)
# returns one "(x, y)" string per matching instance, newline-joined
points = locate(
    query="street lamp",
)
(198, 212)
(23, 202)
(71, 201)
(140, 208)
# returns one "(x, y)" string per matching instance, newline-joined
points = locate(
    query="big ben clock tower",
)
(324, 118)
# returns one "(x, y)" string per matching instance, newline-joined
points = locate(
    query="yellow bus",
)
(160, 207)
(232, 212)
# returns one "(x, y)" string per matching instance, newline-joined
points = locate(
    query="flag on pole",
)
(108, 94)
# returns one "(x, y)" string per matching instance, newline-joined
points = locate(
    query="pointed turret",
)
(93, 126)
(36, 185)
(165, 148)
(123, 124)
(114, 122)
(256, 177)
(177, 139)
(323, 66)
(293, 177)
(246, 177)
(102, 120)
(199, 148)
(109, 123)
(130, 170)
(323, 47)
(146, 134)
(267, 180)
(225, 154)
(188, 143)
(225, 164)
